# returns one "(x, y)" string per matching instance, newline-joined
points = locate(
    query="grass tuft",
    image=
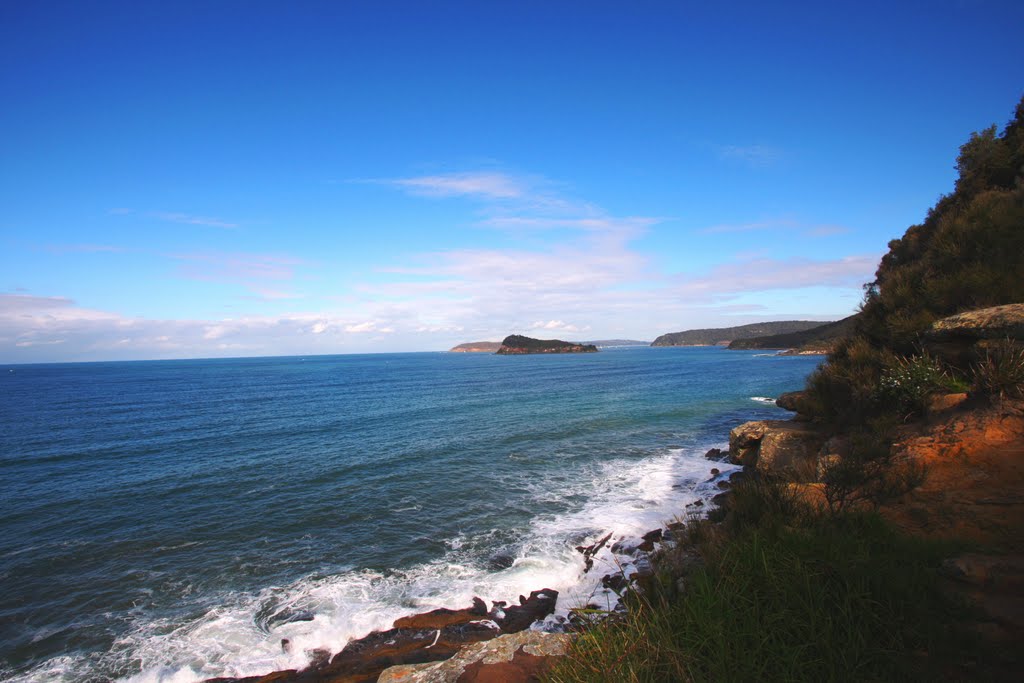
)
(785, 595)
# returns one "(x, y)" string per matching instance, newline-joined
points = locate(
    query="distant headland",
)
(476, 347)
(515, 344)
(725, 335)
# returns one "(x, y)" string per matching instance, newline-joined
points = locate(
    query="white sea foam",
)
(240, 636)
(763, 399)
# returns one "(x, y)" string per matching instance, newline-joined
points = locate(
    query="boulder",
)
(790, 451)
(716, 454)
(514, 658)
(997, 322)
(780, 448)
(744, 441)
(520, 617)
(962, 339)
(797, 402)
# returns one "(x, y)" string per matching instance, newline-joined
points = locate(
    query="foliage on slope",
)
(968, 253)
(717, 335)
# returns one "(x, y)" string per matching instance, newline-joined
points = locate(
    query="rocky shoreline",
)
(503, 642)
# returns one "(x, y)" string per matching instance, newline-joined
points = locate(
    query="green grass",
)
(804, 597)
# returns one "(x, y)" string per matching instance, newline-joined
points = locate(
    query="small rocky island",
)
(516, 344)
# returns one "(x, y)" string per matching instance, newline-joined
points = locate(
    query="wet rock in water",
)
(286, 645)
(516, 658)
(626, 546)
(649, 539)
(362, 661)
(288, 616)
(724, 485)
(615, 582)
(500, 560)
(696, 504)
(716, 454)
(715, 471)
(439, 618)
(590, 550)
(318, 657)
(520, 617)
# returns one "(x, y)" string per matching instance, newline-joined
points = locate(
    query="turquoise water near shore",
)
(173, 520)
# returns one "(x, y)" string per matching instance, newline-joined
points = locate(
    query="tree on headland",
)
(967, 254)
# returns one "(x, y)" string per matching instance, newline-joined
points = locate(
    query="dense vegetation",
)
(818, 338)
(518, 344)
(968, 253)
(781, 593)
(711, 336)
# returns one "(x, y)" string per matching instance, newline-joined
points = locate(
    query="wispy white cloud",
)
(557, 326)
(189, 219)
(755, 156)
(777, 224)
(763, 274)
(826, 231)
(177, 217)
(749, 227)
(485, 185)
(262, 274)
(84, 249)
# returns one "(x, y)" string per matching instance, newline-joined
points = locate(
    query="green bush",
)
(1000, 374)
(906, 385)
(806, 598)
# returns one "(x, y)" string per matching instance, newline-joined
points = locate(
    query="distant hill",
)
(617, 342)
(721, 335)
(819, 339)
(516, 344)
(476, 347)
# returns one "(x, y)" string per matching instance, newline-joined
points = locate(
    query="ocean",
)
(174, 520)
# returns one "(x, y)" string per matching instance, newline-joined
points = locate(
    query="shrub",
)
(905, 386)
(807, 599)
(1000, 374)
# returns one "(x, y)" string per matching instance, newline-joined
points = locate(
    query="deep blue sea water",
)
(173, 520)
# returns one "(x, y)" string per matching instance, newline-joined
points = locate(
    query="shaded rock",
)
(789, 451)
(590, 550)
(439, 618)
(997, 322)
(780, 448)
(519, 617)
(716, 454)
(515, 658)
(744, 441)
(627, 546)
(973, 488)
(615, 582)
(961, 339)
(364, 659)
(798, 402)
(500, 560)
(940, 403)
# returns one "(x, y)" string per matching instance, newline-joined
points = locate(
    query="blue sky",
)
(255, 178)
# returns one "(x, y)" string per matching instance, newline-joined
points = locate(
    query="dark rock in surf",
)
(520, 617)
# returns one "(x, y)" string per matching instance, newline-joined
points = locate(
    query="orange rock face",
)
(974, 477)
